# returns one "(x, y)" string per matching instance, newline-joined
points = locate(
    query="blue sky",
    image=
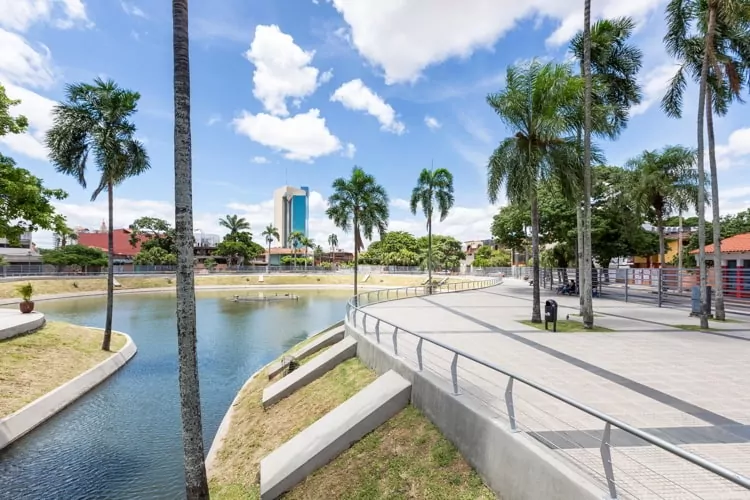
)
(299, 91)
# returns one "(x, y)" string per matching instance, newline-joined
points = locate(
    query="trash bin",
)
(550, 314)
(695, 300)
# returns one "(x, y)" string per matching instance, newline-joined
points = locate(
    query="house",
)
(24, 254)
(671, 245)
(123, 250)
(735, 261)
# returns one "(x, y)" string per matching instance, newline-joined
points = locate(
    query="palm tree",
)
(333, 242)
(270, 233)
(666, 184)
(307, 243)
(433, 187)
(66, 234)
(724, 29)
(196, 482)
(358, 204)
(539, 106)
(94, 122)
(295, 241)
(235, 224)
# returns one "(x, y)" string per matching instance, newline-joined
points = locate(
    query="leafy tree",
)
(237, 252)
(674, 221)
(318, 254)
(288, 260)
(94, 122)
(235, 224)
(66, 234)
(196, 481)
(434, 189)
(270, 233)
(508, 226)
(538, 105)
(75, 255)
(358, 204)
(210, 263)
(155, 256)
(10, 124)
(447, 251)
(3, 261)
(153, 232)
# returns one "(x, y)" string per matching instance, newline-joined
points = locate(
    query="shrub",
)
(25, 291)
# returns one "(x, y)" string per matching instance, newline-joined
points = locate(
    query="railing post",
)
(395, 341)
(509, 405)
(627, 272)
(378, 295)
(364, 323)
(454, 374)
(661, 286)
(377, 330)
(607, 461)
(419, 353)
(354, 317)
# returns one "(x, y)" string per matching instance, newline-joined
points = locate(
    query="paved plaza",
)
(690, 388)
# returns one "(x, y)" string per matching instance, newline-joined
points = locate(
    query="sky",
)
(299, 91)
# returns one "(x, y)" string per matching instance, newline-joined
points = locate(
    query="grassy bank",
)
(32, 365)
(58, 286)
(407, 457)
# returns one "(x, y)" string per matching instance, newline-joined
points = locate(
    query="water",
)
(122, 440)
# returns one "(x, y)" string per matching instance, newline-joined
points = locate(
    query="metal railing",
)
(401, 341)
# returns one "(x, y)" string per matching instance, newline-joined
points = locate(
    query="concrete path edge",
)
(34, 321)
(23, 421)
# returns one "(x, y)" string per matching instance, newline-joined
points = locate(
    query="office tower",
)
(291, 211)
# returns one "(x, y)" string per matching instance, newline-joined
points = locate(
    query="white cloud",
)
(357, 96)
(19, 15)
(22, 64)
(432, 32)
(282, 69)
(401, 204)
(132, 9)
(303, 137)
(350, 151)
(260, 160)
(655, 83)
(38, 110)
(475, 128)
(432, 123)
(736, 152)
(326, 76)
(213, 119)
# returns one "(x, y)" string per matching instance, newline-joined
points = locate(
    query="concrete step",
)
(324, 440)
(309, 372)
(322, 340)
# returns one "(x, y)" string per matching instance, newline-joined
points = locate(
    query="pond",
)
(122, 440)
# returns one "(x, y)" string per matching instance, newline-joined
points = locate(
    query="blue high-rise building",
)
(291, 211)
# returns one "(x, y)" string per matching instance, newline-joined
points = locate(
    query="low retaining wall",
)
(22, 324)
(510, 463)
(35, 413)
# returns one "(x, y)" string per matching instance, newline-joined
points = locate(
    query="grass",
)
(407, 457)
(567, 326)
(32, 365)
(53, 287)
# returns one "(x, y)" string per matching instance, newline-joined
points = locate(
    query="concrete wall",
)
(513, 465)
(19, 324)
(35, 413)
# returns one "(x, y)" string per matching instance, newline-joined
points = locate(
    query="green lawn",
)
(567, 326)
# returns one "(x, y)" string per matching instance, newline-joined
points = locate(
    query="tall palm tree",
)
(540, 106)
(235, 224)
(307, 243)
(434, 187)
(614, 66)
(358, 204)
(270, 233)
(94, 122)
(666, 184)
(333, 242)
(66, 234)
(196, 482)
(295, 241)
(317, 254)
(721, 40)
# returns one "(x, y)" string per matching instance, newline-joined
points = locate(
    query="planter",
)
(26, 306)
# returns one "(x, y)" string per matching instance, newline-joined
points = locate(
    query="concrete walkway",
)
(690, 388)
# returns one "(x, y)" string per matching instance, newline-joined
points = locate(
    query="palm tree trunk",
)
(718, 278)
(702, 173)
(196, 483)
(110, 269)
(536, 313)
(268, 259)
(662, 254)
(579, 257)
(586, 292)
(356, 254)
(429, 252)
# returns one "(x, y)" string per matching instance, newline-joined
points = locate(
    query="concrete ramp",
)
(321, 341)
(309, 372)
(324, 440)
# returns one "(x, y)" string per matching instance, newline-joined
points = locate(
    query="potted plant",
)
(26, 292)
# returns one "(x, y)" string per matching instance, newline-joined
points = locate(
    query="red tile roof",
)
(739, 243)
(121, 239)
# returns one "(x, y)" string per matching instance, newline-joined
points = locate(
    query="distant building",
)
(471, 247)
(291, 211)
(123, 250)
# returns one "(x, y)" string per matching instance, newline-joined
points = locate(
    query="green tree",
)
(434, 189)
(358, 204)
(711, 41)
(509, 226)
(538, 105)
(295, 241)
(333, 242)
(153, 232)
(66, 234)
(665, 183)
(155, 256)
(307, 244)
(10, 124)
(75, 255)
(94, 123)
(210, 263)
(447, 252)
(270, 233)
(196, 481)
(235, 224)
(318, 254)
